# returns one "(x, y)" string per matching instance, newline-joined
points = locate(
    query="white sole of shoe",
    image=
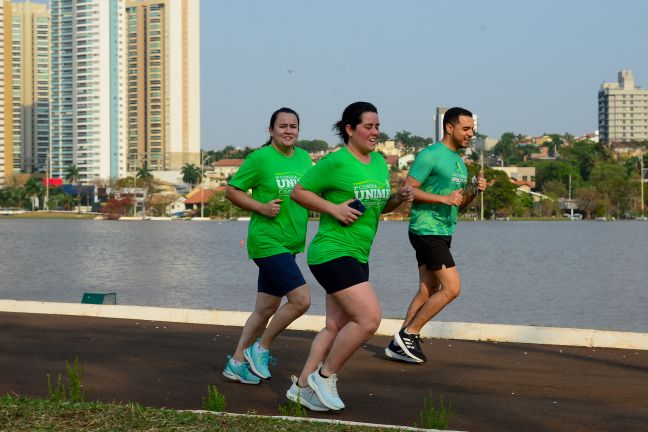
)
(311, 384)
(234, 377)
(256, 372)
(401, 344)
(391, 354)
(305, 403)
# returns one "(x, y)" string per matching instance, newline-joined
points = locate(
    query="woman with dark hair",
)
(350, 188)
(277, 232)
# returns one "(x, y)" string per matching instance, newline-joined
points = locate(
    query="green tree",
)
(313, 146)
(612, 181)
(146, 177)
(555, 189)
(383, 137)
(584, 154)
(403, 137)
(558, 171)
(507, 149)
(501, 196)
(72, 176)
(33, 189)
(191, 174)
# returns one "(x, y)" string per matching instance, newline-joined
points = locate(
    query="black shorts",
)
(433, 251)
(279, 274)
(340, 273)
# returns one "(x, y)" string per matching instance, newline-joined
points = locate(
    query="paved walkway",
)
(492, 386)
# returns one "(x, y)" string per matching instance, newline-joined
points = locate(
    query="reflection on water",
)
(567, 274)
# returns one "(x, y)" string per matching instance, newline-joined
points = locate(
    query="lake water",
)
(565, 274)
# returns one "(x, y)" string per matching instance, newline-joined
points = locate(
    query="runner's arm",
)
(242, 200)
(455, 198)
(314, 202)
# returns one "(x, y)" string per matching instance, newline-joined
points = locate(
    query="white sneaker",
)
(326, 390)
(304, 396)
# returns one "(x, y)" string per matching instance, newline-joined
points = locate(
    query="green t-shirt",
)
(440, 171)
(339, 177)
(272, 175)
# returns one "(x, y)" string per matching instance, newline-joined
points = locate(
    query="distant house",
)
(392, 160)
(390, 147)
(520, 176)
(200, 196)
(177, 206)
(405, 162)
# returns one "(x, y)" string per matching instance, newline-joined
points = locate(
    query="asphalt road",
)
(492, 386)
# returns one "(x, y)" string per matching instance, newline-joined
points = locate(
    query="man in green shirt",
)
(439, 177)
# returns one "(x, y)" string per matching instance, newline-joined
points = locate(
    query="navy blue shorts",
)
(340, 273)
(279, 274)
(432, 251)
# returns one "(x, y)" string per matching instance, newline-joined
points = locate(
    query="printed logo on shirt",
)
(372, 193)
(286, 181)
(459, 178)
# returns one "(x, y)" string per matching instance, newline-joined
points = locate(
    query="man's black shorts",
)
(433, 251)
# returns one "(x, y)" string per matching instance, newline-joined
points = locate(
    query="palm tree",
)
(72, 176)
(33, 188)
(190, 174)
(145, 175)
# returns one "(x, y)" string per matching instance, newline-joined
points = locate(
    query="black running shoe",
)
(393, 351)
(411, 344)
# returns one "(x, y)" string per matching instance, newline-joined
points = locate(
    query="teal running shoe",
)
(304, 396)
(258, 360)
(240, 372)
(326, 390)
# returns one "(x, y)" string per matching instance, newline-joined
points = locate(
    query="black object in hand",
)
(357, 204)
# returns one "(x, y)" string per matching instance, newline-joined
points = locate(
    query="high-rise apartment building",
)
(163, 49)
(88, 88)
(623, 110)
(30, 68)
(6, 148)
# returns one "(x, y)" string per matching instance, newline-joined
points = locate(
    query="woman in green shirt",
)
(350, 188)
(277, 232)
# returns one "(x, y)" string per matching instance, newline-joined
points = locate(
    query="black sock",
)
(321, 374)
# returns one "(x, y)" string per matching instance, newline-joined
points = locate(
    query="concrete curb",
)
(319, 420)
(434, 329)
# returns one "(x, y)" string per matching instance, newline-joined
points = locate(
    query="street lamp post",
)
(202, 188)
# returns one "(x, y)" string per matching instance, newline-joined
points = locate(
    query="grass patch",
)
(22, 414)
(431, 417)
(215, 401)
(51, 215)
(293, 409)
(75, 391)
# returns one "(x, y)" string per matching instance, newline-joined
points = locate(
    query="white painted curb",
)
(434, 329)
(320, 420)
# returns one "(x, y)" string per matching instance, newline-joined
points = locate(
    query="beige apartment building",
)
(163, 62)
(30, 84)
(6, 147)
(623, 110)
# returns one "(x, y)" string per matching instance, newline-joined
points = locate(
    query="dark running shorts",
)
(279, 274)
(433, 251)
(340, 273)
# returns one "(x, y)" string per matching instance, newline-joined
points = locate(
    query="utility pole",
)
(641, 182)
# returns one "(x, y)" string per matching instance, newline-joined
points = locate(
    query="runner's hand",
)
(345, 214)
(271, 208)
(455, 198)
(406, 193)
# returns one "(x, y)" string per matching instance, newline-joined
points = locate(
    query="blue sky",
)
(526, 67)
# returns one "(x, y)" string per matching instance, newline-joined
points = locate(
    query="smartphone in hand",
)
(357, 204)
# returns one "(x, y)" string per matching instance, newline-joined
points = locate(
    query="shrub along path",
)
(492, 386)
